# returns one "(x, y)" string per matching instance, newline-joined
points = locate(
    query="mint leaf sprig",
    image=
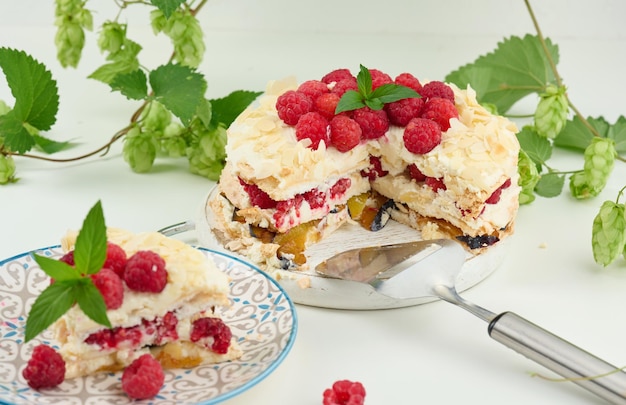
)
(372, 98)
(73, 284)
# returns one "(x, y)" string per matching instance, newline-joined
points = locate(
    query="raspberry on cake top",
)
(434, 159)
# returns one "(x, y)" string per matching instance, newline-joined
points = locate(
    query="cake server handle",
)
(180, 227)
(560, 356)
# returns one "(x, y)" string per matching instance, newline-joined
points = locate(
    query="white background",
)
(429, 354)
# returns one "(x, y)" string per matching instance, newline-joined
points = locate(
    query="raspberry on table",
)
(373, 123)
(258, 197)
(212, 328)
(415, 173)
(110, 286)
(337, 75)
(441, 111)
(115, 258)
(408, 80)
(45, 368)
(292, 105)
(326, 104)
(313, 126)
(345, 133)
(436, 89)
(143, 378)
(421, 135)
(344, 85)
(145, 272)
(313, 88)
(344, 392)
(402, 111)
(379, 78)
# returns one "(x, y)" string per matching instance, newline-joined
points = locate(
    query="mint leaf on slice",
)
(351, 100)
(179, 88)
(36, 94)
(537, 147)
(91, 301)
(91, 243)
(516, 68)
(364, 81)
(56, 269)
(49, 306)
(133, 85)
(550, 185)
(226, 109)
(389, 92)
(167, 7)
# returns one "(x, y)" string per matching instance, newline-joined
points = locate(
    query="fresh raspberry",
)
(258, 197)
(344, 85)
(145, 272)
(441, 111)
(421, 135)
(415, 173)
(116, 258)
(408, 80)
(326, 104)
(144, 378)
(315, 198)
(212, 328)
(374, 123)
(345, 392)
(45, 368)
(313, 126)
(68, 258)
(345, 133)
(374, 170)
(402, 111)
(110, 286)
(437, 89)
(340, 187)
(292, 105)
(313, 88)
(337, 75)
(435, 184)
(379, 78)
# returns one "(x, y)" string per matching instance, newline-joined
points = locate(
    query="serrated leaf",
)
(389, 92)
(49, 306)
(515, 69)
(91, 302)
(575, 135)
(364, 81)
(550, 185)
(35, 92)
(205, 112)
(226, 109)
(56, 269)
(91, 242)
(537, 147)
(16, 136)
(167, 7)
(618, 134)
(179, 88)
(351, 100)
(133, 85)
(374, 104)
(50, 146)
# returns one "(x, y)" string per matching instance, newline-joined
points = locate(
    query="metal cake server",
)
(430, 269)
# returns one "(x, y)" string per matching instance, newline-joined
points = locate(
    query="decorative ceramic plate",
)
(261, 316)
(310, 288)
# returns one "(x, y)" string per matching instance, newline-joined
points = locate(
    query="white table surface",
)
(433, 353)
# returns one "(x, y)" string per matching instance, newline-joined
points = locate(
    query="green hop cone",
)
(7, 169)
(579, 186)
(207, 158)
(156, 117)
(551, 112)
(185, 32)
(173, 143)
(529, 176)
(139, 150)
(112, 37)
(72, 18)
(599, 160)
(608, 233)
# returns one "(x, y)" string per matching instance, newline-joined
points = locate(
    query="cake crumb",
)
(543, 245)
(304, 282)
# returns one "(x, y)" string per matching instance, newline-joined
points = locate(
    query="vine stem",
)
(557, 76)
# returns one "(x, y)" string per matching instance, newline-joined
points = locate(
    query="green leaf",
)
(167, 7)
(36, 94)
(91, 302)
(351, 100)
(537, 147)
(179, 88)
(550, 185)
(374, 104)
(575, 135)
(226, 109)
(205, 112)
(16, 136)
(515, 69)
(91, 242)
(50, 146)
(123, 61)
(618, 134)
(58, 270)
(49, 306)
(364, 81)
(388, 93)
(133, 85)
